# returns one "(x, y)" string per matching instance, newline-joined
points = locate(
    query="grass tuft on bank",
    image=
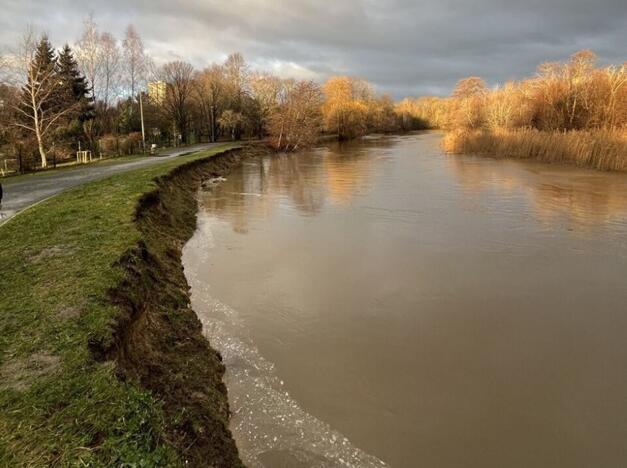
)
(58, 404)
(598, 149)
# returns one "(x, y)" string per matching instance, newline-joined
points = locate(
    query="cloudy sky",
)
(404, 47)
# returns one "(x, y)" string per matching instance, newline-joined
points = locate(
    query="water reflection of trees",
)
(306, 181)
(584, 198)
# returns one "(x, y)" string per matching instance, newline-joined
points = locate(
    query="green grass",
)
(57, 404)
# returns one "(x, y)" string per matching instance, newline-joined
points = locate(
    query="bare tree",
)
(296, 120)
(179, 79)
(470, 94)
(136, 62)
(89, 55)
(344, 109)
(37, 109)
(211, 95)
(4, 68)
(237, 75)
(231, 121)
(110, 65)
(266, 89)
(616, 107)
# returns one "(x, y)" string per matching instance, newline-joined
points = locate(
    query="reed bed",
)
(599, 149)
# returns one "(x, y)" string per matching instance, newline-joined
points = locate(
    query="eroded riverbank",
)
(157, 339)
(101, 359)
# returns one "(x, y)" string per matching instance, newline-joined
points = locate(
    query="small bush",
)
(112, 145)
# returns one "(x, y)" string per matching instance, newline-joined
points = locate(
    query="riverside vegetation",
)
(570, 112)
(91, 96)
(102, 361)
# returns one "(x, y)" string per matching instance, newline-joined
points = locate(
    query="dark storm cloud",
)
(404, 47)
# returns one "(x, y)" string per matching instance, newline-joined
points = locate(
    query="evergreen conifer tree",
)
(45, 57)
(74, 88)
(43, 73)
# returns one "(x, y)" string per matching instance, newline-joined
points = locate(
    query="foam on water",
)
(270, 428)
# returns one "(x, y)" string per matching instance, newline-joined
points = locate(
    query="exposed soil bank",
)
(158, 340)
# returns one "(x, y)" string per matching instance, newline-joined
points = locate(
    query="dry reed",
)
(599, 149)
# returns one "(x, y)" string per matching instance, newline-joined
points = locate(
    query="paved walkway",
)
(23, 192)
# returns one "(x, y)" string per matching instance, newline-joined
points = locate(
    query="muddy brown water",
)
(380, 303)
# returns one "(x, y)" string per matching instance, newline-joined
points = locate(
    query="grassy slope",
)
(57, 405)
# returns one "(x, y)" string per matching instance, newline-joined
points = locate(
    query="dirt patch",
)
(48, 252)
(158, 340)
(70, 312)
(20, 373)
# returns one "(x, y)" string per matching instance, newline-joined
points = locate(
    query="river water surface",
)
(380, 303)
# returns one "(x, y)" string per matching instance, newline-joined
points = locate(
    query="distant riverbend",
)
(378, 302)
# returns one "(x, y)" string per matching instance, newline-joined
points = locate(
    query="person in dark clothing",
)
(0, 194)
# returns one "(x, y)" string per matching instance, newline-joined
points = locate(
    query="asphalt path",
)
(23, 192)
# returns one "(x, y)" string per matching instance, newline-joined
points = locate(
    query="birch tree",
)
(110, 67)
(38, 110)
(89, 55)
(136, 62)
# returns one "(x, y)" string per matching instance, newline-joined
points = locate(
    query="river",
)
(381, 303)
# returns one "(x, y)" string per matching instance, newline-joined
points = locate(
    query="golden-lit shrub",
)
(468, 108)
(423, 113)
(351, 108)
(345, 109)
(570, 112)
(295, 122)
(381, 115)
(507, 107)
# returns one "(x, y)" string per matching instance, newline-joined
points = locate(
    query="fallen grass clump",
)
(598, 149)
(62, 404)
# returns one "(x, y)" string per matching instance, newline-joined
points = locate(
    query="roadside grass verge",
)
(58, 405)
(598, 149)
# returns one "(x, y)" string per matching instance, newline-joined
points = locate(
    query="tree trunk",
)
(42, 151)
(40, 142)
(213, 124)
